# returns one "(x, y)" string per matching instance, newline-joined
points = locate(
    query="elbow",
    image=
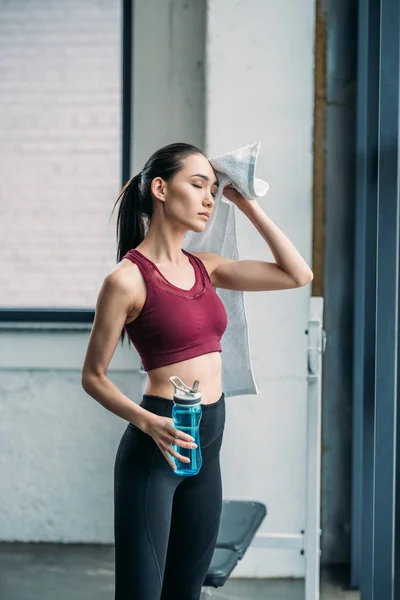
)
(85, 381)
(88, 381)
(305, 279)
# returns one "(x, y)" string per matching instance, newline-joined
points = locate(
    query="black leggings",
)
(165, 525)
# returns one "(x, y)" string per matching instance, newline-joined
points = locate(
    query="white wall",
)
(259, 85)
(168, 76)
(57, 445)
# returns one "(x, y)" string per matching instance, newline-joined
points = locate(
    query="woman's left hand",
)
(235, 197)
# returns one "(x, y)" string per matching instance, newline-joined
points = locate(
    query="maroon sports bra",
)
(176, 324)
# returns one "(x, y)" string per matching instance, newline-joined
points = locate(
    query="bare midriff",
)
(206, 368)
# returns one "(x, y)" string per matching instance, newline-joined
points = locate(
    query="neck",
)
(163, 244)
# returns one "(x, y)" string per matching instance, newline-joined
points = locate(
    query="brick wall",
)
(60, 113)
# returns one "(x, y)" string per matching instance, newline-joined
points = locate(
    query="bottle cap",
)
(183, 394)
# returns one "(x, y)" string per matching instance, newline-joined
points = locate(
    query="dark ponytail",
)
(131, 219)
(136, 200)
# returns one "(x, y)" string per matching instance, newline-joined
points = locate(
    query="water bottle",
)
(187, 413)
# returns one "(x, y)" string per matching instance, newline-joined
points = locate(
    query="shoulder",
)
(211, 260)
(124, 282)
(123, 276)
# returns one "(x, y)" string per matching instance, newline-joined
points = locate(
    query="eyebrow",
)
(205, 177)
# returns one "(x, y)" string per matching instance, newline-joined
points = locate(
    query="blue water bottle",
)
(187, 413)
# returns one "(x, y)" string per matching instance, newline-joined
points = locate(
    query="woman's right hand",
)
(164, 433)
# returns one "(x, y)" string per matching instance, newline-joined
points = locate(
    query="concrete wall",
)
(57, 454)
(168, 76)
(259, 83)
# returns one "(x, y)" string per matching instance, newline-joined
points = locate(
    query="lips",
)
(204, 214)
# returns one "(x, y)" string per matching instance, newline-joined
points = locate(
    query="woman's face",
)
(191, 192)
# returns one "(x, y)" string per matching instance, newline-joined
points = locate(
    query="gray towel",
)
(237, 168)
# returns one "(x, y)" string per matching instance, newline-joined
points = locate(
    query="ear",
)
(158, 188)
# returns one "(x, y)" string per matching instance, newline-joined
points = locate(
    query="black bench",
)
(240, 520)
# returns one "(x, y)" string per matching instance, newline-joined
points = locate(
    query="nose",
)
(210, 200)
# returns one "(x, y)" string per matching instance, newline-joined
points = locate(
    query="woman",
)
(165, 525)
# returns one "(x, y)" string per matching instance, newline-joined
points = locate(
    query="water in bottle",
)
(187, 413)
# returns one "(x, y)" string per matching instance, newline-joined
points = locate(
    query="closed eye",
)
(200, 187)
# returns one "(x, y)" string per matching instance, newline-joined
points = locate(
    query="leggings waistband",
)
(168, 403)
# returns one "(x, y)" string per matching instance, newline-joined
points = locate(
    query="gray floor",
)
(85, 572)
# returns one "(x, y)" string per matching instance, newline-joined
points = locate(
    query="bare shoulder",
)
(125, 274)
(125, 282)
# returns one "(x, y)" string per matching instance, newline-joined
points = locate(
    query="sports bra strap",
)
(140, 262)
(201, 266)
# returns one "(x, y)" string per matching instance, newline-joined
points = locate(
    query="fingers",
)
(182, 444)
(169, 459)
(175, 437)
(170, 452)
(180, 457)
(179, 438)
